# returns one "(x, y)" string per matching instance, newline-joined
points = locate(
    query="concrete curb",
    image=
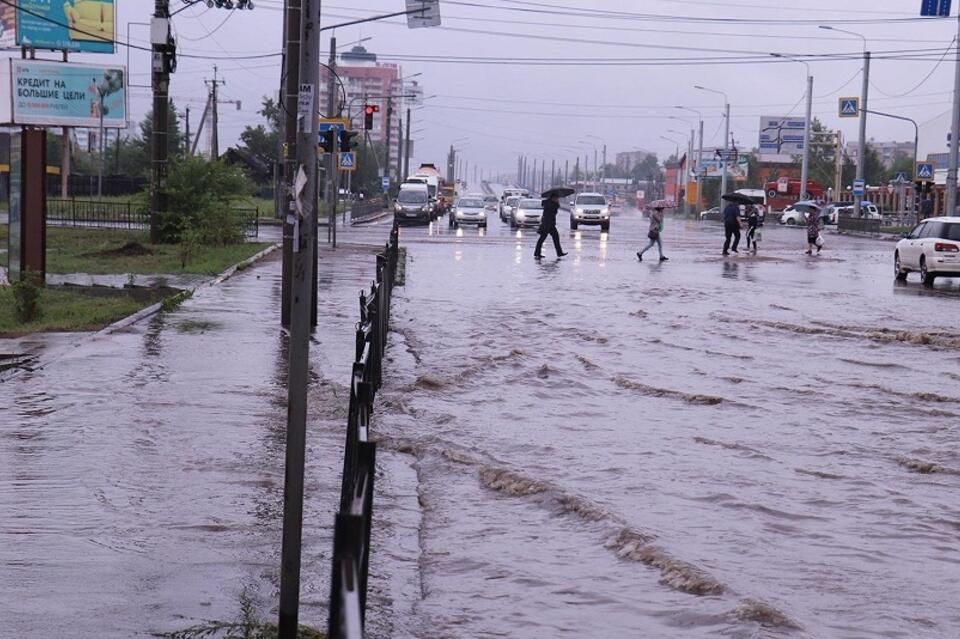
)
(146, 312)
(374, 218)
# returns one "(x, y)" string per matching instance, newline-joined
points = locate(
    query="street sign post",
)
(385, 183)
(935, 8)
(347, 161)
(849, 107)
(859, 188)
(925, 171)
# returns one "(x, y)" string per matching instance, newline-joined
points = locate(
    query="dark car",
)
(413, 207)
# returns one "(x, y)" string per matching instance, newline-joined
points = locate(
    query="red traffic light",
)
(370, 109)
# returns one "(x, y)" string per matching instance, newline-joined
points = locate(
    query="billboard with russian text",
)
(72, 25)
(63, 94)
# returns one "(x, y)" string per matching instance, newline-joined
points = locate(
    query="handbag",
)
(819, 241)
(653, 234)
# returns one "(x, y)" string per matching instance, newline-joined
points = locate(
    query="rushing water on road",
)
(754, 447)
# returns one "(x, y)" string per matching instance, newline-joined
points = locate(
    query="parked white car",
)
(932, 249)
(796, 214)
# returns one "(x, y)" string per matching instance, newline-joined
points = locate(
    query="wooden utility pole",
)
(160, 84)
(305, 192)
(214, 116)
(291, 70)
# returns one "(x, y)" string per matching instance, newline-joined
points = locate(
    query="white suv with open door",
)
(932, 248)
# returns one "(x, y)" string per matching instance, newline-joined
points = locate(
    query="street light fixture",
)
(726, 138)
(805, 163)
(862, 144)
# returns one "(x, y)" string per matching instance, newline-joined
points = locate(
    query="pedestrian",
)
(813, 232)
(753, 222)
(656, 230)
(926, 208)
(731, 227)
(548, 225)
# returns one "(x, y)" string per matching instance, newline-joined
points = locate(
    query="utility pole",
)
(160, 85)
(700, 170)
(726, 149)
(304, 228)
(553, 172)
(566, 171)
(214, 118)
(65, 155)
(862, 144)
(186, 150)
(330, 187)
(805, 163)
(291, 63)
(838, 167)
(386, 161)
(951, 185)
(603, 178)
(406, 149)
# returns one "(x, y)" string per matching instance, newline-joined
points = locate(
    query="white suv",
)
(590, 208)
(932, 248)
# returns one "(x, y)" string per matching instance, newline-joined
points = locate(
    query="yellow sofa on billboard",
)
(89, 19)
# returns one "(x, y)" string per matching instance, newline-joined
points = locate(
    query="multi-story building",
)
(889, 152)
(628, 159)
(367, 81)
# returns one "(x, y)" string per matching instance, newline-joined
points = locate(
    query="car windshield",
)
(470, 204)
(591, 199)
(512, 201)
(951, 231)
(531, 204)
(489, 198)
(412, 197)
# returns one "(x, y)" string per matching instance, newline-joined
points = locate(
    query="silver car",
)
(506, 209)
(491, 202)
(470, 210)
(527, 213)
(590, 208)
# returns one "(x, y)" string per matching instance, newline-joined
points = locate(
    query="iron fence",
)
(363, 210)
(858, 225)
(351, 540)
(123, 215)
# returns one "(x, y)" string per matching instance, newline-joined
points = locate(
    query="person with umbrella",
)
(548, 221)
(656, 228)
(731, 220)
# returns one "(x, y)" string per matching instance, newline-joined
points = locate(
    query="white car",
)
(590, 208)
(932, 248)
(470, 210)
(527, 213)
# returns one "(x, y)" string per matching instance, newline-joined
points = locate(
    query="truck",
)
(786, 191)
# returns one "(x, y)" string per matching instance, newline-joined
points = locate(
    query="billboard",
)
(74, 25)
(738, 170)
(781, 135)
(62, 94)
(8, 27)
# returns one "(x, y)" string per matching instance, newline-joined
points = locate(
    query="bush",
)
(26, 297)
(200, 195)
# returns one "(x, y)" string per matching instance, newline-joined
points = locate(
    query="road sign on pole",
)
(347, 161)
(849, 107)
(385, 183)
(925, 171)
(332, 123)
(859, 188)
(935, 8)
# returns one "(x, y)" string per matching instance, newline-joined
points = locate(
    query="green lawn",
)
(4, 231)
(74, 250)
(74, 309)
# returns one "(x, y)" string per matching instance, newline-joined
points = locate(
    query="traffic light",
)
(326, 139)
(347, 143)
(368, 111)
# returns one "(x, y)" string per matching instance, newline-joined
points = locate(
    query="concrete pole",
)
(862, 144)
(406, 149)
(603, 177)
(805, 164)
(726, 147)
(951, 187)
(299, 343)
(700, 171)
(291, 64)
(566, 171)
(160, 84)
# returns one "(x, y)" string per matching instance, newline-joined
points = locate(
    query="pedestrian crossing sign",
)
(924, 170)
(347, 161)
(849, 107)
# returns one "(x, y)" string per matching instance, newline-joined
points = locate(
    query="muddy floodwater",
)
(594, 447)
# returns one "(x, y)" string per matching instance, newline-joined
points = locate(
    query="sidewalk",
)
(146, 468)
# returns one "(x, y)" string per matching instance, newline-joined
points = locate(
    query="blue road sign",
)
(859, 188)
(385, 184)
(348, 160)
(325, 125)
(925, 170)
(849, 107)
(901, 177)
(935, 8)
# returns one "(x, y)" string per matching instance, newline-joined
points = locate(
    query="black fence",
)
(122, 215)
(858, 225)
(363, 210)
(351, 539)
(87, 185)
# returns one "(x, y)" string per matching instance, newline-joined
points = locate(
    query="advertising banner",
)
(74, 25)
(63, 94)
(8, 27)
(739, 170)
(781, 135)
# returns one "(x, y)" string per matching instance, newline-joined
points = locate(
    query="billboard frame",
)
(62, 42)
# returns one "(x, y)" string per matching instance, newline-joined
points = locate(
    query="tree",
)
(873, 169)
(648, 169)
(263, 142)
(134, 156)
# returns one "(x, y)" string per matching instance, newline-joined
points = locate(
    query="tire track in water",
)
(933, 339)
(626, 542)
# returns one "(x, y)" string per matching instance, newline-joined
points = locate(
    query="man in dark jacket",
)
(731, 227)
(548, 226)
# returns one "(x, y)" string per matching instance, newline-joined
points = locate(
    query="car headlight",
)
(397, 208)
(579, 211)
(605, 212)
(482, 214)
(425, 207)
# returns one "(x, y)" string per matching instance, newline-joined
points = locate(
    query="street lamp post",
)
(676, 154)
(726, 139)
(699, 171)
(805, 163)
(862, 144)
(916, 136)
(603, 169)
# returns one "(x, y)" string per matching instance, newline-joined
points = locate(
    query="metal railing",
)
(363, 210)
(123, 215)
(351, 539)
(858, 225)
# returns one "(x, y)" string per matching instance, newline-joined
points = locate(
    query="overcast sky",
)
(503, 108)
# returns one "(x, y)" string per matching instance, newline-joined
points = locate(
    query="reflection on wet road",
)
(763, 446)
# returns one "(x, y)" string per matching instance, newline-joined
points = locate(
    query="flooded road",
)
(752, 447)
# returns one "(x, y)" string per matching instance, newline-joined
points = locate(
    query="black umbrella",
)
(738, 198)
(559, 191)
